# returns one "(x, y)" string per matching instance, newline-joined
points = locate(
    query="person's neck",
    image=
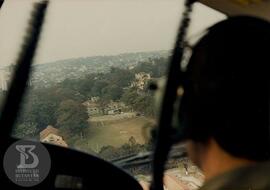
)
(217, 161)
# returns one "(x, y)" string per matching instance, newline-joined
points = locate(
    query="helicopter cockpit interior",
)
(118, 90)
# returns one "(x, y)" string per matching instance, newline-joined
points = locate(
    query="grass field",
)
(115, 134)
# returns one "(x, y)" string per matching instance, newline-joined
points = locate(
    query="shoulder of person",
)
(255, 177)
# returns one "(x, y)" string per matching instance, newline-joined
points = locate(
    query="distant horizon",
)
(107, 55)
(82, 29)
(73, 58)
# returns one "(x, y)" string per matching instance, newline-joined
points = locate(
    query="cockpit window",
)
(89, 84)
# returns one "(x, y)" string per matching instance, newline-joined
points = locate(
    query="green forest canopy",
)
(61, 105)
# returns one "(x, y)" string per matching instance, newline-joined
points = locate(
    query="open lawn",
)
(115, 133)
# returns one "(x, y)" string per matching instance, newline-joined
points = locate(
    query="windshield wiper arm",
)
(22, 70)
(1, 3)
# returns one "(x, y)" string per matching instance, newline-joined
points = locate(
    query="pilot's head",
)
(225, 107)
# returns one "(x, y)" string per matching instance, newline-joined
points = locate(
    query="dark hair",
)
(227, 88)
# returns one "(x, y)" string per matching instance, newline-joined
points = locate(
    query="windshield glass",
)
(89, 84)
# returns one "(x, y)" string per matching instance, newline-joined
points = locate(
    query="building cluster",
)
(51, 135)
(94, 107)
(4, 79)
(141, 80)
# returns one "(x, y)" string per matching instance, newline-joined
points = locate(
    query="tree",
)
(72, 117)
(25, 130)
(98, 86)
(44, 104)
(39, 108)
(132, 141)
(120, 77)
(143, 103)
(129, 96)
(112, 92)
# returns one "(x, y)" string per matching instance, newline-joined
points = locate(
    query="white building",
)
(4, 79)
(93, 108)
(51, 135)
(141, 80)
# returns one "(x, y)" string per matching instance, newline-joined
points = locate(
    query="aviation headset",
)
(226, 88)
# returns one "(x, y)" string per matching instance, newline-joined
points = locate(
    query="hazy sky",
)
(81, 28)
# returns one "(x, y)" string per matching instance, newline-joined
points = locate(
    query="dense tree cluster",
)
(61, 105)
